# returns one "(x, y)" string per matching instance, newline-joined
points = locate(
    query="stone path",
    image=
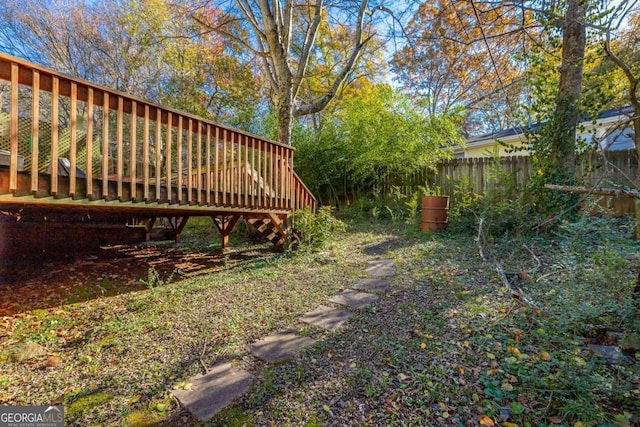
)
(214, 391)
(279, 346)
(353, 299)
(326, 317)
(223, 384)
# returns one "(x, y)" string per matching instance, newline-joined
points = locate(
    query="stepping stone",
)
(372, 285)
(326, 317)
(612, 354)
(353, 299)
(279, 346)
(381, 267)
(214, 391)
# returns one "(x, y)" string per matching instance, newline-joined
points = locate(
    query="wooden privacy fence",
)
(65, 139)
(481, 175)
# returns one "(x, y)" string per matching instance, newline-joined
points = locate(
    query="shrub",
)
(309, 230)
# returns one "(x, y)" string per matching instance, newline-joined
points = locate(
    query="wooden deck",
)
(67, 145)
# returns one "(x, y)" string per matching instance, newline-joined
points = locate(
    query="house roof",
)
(520, 130)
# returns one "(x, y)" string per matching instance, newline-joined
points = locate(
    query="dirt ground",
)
(51, 281)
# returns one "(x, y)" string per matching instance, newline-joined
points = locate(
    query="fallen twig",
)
(597, 191)
(533, 255)
(479, 239)
(204, 350)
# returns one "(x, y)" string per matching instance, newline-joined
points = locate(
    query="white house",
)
(607, 129)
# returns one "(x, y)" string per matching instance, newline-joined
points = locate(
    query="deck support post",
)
(177, 224)
(225, 224)
(148, 226)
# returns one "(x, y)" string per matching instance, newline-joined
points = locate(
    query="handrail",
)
(117, 147)
(304, 196)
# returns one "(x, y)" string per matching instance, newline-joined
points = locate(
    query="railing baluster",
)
(199, 161)
(35, 131)
(158, 153)
(145, 155)
(105, 145)
(120, 147)
(133, 145)
(190, 161)
(179, 160)
(89, 164)
(239, 199)
(259, 190)
(13, 138)
(55, 127)
(252, 183)
(224, 167)
(168, 153)
(208, 165)
(246, 171)
(273, 197)
(73, 143)
(263, 176)
(231, 172)
(216, 159)
(290, 180)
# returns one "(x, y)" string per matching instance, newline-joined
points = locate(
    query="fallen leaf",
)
(423, 346)
(545, 356)
(555, 420)
(486, 421)
(53, 362)
(513, 350)
(135, 399)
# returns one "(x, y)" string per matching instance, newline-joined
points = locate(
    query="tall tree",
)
(562, 161)
(141, 47)
(466, 54)
(283, 34)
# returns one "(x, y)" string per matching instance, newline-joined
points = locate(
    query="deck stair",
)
(271, 227)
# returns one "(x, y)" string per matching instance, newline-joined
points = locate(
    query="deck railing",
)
(83, 141)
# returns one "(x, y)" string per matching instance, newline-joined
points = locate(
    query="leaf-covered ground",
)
(447, 345)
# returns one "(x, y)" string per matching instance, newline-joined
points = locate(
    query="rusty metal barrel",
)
(435, 213)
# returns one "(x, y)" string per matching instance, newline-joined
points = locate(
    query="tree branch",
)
(359, 44)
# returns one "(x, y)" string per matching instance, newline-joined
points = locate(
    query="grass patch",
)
(446, 345)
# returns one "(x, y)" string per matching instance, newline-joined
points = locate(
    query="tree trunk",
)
(560, 165)
(285, 114)
(566, 116)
